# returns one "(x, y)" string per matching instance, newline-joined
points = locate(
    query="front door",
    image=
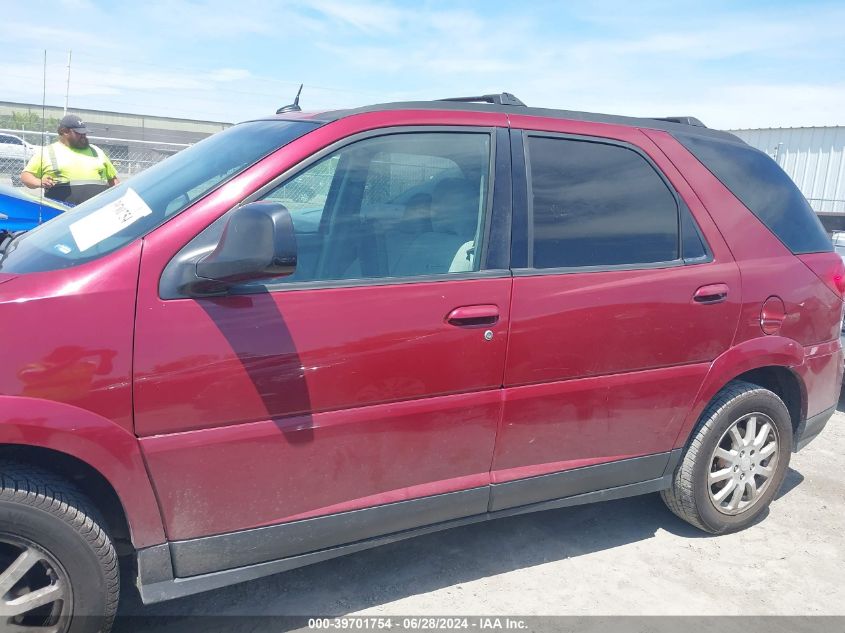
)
(369, 379)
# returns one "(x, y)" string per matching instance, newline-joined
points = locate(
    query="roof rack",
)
(686, 120)
(503, 98)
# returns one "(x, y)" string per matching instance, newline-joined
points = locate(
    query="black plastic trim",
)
(373, 281)
(497, 240)
(571, 270)
(180, 587)
(577, 481)
(502, 98)
(674, 460)
(686, 120)
(810, 428)
(521, 233)
(154, 564)
(225, 551)
(607, 494)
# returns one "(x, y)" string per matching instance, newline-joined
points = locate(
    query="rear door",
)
(624, 292)
(367, 381)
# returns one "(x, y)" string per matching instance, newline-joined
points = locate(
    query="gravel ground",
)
(628, 557)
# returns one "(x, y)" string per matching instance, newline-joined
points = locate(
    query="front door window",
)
(394, 206)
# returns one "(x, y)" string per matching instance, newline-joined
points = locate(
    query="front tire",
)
(58, 567)
(736, 461)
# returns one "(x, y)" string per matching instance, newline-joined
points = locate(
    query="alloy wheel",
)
(743, 463)
(35, 591)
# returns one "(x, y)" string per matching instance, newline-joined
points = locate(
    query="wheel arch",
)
(768, 362)
(784, 382)
(89, 481)
(101, 458)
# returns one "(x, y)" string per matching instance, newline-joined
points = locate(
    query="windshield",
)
(124, 213)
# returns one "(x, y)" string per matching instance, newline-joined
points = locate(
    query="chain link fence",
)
(128, 156)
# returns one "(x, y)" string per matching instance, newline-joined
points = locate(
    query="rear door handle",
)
(467, 316)
(712, 293)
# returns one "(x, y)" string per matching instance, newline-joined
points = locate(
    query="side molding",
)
(577, 481)
(226, 551)
(155, 571)
(810, 428)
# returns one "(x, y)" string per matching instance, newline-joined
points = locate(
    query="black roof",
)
(685, 125)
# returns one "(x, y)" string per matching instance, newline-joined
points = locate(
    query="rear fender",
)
(103, 445)
(771, 351)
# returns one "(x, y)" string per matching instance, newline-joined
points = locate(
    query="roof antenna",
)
(293, 107)
(43, 121)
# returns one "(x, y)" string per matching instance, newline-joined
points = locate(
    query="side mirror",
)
(258, 242)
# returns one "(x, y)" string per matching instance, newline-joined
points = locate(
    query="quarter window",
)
(692, 246)
(763, 187)
(597, 204)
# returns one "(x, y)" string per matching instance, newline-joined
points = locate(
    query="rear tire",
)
(735, 462)
(57, 563)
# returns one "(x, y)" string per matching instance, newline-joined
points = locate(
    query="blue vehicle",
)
(21, 210)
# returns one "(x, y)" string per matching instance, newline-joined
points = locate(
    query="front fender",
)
(769, 351)
(108, 448)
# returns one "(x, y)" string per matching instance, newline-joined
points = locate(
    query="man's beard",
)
(79, 143)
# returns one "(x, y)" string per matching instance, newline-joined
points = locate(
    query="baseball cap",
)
(73, 122)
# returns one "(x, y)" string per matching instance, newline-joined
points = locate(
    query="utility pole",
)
(67, 87)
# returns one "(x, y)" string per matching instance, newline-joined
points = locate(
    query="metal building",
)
(137, 127)
(814, 157)
(133, 142)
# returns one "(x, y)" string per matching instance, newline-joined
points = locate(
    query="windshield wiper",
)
(7, 239)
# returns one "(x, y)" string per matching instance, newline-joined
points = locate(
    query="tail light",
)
(828, 267)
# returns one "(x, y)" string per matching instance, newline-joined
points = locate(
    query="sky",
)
(731, 64)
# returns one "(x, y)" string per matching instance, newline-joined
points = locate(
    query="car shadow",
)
(416, 566)
(791, 481)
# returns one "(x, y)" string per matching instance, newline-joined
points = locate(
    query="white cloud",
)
(77, 5)
(213, 21)
(728, 66)
(368, 17)
(53, 38)
(229, 74)
(688, 71)
(775, 105)
(726, 39)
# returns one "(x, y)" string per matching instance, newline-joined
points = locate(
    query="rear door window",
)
(597, 204)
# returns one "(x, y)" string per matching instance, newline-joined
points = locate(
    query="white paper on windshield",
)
(105, 222)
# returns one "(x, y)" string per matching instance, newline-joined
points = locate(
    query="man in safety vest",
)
(71, 170)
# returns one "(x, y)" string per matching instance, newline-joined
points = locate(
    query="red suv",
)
(315, 333)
